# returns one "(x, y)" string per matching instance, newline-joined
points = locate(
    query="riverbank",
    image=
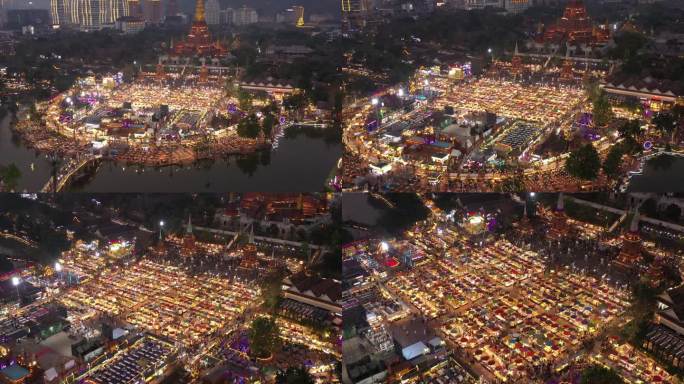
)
(301, 162)
(124, 151)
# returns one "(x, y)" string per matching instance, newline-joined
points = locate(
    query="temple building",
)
(575, 27)
(558, 221)
(250, 260)
(566, 69)
(670, 311)
(188, 239)
(198, 42)
(631, 252)
(516, 62)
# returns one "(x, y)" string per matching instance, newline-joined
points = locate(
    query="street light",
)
(58, 267)
(384, 246)
(161, 225)
(374, 103)
(400, 92)
(16, 281)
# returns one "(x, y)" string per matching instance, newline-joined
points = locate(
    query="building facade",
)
(212, 12)
(88, 13)
(245, 16)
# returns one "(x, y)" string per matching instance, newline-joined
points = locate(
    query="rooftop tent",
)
(50, 374)
(414, 350)
(436, 342)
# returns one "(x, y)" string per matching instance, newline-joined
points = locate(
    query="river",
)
(303, 160)
(663, 174)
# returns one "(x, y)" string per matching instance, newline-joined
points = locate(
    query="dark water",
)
(662, 174)
(302, 162)
(357, 208)
(13, 151)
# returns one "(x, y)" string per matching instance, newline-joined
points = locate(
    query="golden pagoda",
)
(198, 42)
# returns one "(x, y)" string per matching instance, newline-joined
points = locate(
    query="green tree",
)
(294, 375)
(584, 163)
(611, 165)
(267, 124)
(597, 374)
(248, 127)
(9, 176)
(630, 129)
(244, 100)
(665, 123)
(295, 101)
(264, 337)
(592, 89)
(271, 289)
(602, 110)
(627, 44)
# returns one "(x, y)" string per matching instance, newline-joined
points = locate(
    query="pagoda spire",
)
(188, 228)
(560, 205)
(199, 11)
(634, 225)
(516, 53)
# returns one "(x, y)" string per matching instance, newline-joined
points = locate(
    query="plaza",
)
(163, 300)
(506, 311)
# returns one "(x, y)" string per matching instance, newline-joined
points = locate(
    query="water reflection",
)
(661, 174)
(302, 162)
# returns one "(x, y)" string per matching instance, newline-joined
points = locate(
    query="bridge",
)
(69, 170)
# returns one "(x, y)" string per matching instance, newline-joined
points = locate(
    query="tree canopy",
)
(611, 165)
(602, 110)
(597, 374)
(249, 126)
(294, 375)
(9, 176)
(264, 337)
(584, 163)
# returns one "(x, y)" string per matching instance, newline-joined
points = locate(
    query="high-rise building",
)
(482, 4)
(226, 16)
(212, 12)
(355, 13)
(517, 6)
(135, 8)
(3, 11)
(171, 8)
(87, 13)
(245, 16)
(153, 11)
